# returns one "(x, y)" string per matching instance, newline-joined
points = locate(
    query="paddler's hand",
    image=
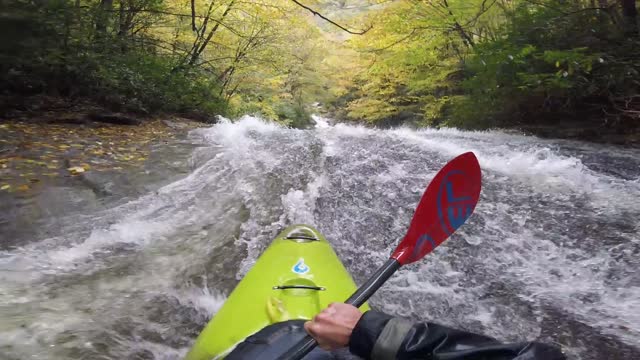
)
(333, 326)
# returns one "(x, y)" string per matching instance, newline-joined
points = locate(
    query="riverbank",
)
(592, 133)
(54, 146)
(55, 163)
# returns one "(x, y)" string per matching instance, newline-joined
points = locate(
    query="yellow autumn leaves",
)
(32, 153)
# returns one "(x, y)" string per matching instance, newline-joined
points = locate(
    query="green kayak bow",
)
(296, 277)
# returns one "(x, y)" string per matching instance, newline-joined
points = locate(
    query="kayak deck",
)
(296, 277)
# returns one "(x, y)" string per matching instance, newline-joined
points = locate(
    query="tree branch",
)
(331, 21)
(193, 16)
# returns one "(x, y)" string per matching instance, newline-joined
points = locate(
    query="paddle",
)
(447, 203)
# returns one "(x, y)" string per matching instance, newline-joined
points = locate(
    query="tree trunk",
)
(193, 16)
(122, 27)
(466, 38)
(603, 12)
(630, 15)
(227, 80)
(69, 15)
(198, 51)
(102, 18)
(125, 24)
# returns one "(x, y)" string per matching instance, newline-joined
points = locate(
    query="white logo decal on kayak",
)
(300, 267)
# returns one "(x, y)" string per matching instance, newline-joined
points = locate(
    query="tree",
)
(483, 62)
(630, 15)
(200, 43)
(316, 13)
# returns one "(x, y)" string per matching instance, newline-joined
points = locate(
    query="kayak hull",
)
(296, 277)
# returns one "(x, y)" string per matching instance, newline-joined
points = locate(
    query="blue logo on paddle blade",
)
(423, 240)
(300, 267)
(453, 209)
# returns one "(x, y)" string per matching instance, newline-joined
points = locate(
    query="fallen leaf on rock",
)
(76, 170)
(5, 187)
(23, 187)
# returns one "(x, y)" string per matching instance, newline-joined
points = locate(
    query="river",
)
(551, 251)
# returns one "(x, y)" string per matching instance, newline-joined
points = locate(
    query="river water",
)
(551, 251)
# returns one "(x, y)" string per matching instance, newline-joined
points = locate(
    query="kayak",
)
(297, 276)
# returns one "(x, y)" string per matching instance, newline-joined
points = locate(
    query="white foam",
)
(206, 301)
(252, 178)
(537, 165)
(300, 205)
(321, 122)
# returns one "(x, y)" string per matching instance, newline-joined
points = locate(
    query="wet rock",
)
(98, 183)
(63, 200)
(73, 120)
(110, 184)
(113, 119)
(175, 125)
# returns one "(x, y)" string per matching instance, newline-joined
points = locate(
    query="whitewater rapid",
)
(551, 251)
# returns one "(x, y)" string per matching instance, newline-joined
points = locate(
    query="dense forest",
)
(463, 63)
(479, 63)
(197, 58)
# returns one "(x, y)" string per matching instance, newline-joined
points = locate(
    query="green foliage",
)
(292, 114)
(433, 109)
(468, 63)
(56, 57)
(146, 83)
(255, 108)
(282, 111)
(228, 57)
(472, 63)
(371, 110)
(570, 61)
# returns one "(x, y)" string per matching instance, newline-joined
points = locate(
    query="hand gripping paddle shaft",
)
(447, 203)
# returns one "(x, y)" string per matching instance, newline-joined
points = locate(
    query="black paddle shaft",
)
(306, 345)
(374, 283)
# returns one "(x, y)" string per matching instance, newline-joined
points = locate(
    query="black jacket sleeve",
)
(381, 337)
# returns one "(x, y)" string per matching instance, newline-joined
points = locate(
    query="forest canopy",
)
(465, 63)
(197, 56)
(482, 63)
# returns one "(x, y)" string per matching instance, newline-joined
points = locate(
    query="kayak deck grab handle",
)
(309, 287)
(302, 237)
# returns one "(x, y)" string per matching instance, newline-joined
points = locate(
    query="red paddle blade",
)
(447, 203)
